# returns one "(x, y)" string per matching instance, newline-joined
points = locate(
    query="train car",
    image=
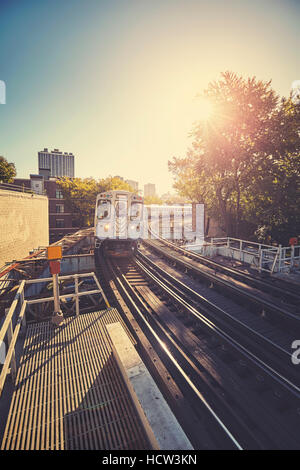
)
(118, 222)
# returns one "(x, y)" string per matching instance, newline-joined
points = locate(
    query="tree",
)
(274, 200)
(7, 171)
(152, 200)
(81, 193)
(273, 192)
(189, 182)
(250, 131)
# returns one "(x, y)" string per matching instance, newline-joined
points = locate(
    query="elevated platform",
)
(69, 392)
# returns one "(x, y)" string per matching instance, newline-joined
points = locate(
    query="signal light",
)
(54, 267)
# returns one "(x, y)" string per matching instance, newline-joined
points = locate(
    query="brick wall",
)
(68, 222)
(23, 224)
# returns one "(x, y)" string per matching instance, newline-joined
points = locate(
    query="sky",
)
(115, 81)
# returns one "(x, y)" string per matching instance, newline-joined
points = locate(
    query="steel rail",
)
(265, 304)
(212, 305)
(217, 330)
(285, 291)
(177, 365)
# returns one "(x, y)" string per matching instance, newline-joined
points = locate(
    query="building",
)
(24, 223)
(149, 190)
(56, 163)
(133, 184)
(62, 220)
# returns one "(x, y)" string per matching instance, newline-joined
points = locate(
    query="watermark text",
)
(2, 92)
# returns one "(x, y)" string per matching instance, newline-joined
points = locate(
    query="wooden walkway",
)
(69, 393)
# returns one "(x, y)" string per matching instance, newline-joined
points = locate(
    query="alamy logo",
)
(2, 92)
(295, 92)
(296, 354)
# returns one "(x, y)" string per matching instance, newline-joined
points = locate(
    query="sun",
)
(205, 109)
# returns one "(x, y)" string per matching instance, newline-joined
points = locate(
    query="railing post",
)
(279, 258)
(260, 260)
(292, 257)
(101, 290)
(13, 365)
(76, 298)
(56, 293)
(24, 316)
(274, 262)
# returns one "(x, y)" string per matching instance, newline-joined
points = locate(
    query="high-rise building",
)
(56, 163)
(149, 190)
(133, 184)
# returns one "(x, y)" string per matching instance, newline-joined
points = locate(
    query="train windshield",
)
(121, 208)
(136, 211)
(103, 211)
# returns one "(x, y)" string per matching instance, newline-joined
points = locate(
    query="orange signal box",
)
(54, 252)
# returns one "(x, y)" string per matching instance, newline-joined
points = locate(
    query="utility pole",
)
(54, 254)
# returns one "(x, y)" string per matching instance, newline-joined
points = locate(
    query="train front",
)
(119, 223)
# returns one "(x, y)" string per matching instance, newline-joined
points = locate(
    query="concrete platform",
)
(163, 429)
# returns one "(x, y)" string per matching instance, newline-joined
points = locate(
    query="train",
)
(119, 223)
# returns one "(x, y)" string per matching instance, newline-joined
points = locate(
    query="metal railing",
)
(289, 258)
(21, 189)
(12, 332)
(12, 336)
(241, 245)
(266, 258)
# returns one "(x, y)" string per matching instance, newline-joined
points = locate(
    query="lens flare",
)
(206, 109)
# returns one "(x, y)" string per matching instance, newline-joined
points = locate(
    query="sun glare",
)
(205, 109)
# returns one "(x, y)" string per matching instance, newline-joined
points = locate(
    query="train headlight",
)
(106, 227)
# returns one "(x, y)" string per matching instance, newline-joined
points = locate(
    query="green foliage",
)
(7, 171)
(175, 199)
(189, 182)
(81, 193)
(244, 162)
(274, 200)
(153, 200)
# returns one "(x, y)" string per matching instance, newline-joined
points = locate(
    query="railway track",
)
(264, 298)
(202, 427)
(226, 390)
(277, 287)
(239, 332)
